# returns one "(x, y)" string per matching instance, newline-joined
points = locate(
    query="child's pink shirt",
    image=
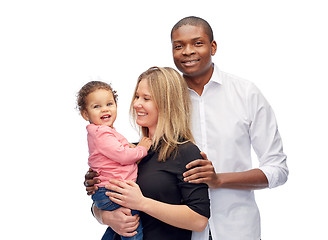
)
(111, 156)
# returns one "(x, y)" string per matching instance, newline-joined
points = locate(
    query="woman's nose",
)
(137, 104)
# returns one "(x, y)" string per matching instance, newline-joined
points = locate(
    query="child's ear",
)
(85, 115)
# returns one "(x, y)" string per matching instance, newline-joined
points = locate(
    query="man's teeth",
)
(191, 61)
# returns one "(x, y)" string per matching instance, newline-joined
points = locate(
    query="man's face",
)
(192, 50)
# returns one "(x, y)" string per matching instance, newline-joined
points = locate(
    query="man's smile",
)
(190, 62)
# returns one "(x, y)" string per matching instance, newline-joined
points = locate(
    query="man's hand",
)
(201, 171)
(90, 181)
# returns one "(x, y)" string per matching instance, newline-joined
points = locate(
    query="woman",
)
(170, 207)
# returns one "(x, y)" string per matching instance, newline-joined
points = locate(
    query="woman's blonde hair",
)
(170, 94)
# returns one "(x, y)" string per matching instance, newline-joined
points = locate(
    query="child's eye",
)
(109, 104)
(96, 106)
(198, 43)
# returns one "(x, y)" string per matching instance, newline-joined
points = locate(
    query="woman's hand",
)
(127, 194)
(120, 220)
(90, 181)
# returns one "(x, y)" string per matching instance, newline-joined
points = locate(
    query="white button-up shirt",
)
(228, 118)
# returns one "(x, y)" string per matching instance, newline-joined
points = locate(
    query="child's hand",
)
(131, 145)
(146, 142)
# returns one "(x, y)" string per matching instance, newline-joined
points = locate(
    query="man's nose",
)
(188, 50)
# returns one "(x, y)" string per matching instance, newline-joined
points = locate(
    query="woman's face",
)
(146, 110)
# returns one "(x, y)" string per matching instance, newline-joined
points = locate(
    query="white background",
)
(49, 49)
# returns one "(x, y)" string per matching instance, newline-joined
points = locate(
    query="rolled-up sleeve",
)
(266, 140)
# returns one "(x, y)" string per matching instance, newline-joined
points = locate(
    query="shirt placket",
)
(203, 123)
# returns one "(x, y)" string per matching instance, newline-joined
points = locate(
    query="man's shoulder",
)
(235, 83)
(229, 78)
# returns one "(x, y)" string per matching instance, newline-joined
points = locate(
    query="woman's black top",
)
(163, 181)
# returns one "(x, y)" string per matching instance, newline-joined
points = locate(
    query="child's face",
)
(101, 108)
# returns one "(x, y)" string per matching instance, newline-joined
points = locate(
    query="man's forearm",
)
(248, 180)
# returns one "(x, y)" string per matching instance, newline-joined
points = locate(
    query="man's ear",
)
(85, 115)
(214, 47)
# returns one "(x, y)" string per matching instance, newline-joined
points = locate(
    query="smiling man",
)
(230, 115)
(193, 49)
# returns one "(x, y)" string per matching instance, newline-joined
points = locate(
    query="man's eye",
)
(177, 47)
(198, 43)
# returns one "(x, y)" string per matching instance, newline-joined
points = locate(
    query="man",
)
(229, 116)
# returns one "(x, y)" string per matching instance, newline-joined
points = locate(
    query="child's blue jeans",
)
(102, 201)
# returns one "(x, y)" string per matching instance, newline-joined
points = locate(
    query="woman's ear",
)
(85, 115)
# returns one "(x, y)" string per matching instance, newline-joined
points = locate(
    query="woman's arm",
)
(129, 195)
(120, 220)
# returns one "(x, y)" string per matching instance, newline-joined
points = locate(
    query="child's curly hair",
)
(89, 88)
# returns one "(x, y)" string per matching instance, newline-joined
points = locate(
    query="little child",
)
(110, 153)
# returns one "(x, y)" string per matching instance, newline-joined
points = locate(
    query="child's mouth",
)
(105, 117)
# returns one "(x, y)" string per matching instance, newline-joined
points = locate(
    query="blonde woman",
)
(170, 208)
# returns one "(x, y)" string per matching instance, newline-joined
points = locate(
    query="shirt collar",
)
(215, 78)
(216, 75)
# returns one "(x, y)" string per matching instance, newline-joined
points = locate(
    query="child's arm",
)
(107, 144)
(145, 142)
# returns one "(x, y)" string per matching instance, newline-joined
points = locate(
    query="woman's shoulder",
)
(188, 152)
(187, 145)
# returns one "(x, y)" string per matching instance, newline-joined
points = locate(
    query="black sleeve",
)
(195, 196)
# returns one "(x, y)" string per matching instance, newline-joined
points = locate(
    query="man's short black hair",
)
(194, 21)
